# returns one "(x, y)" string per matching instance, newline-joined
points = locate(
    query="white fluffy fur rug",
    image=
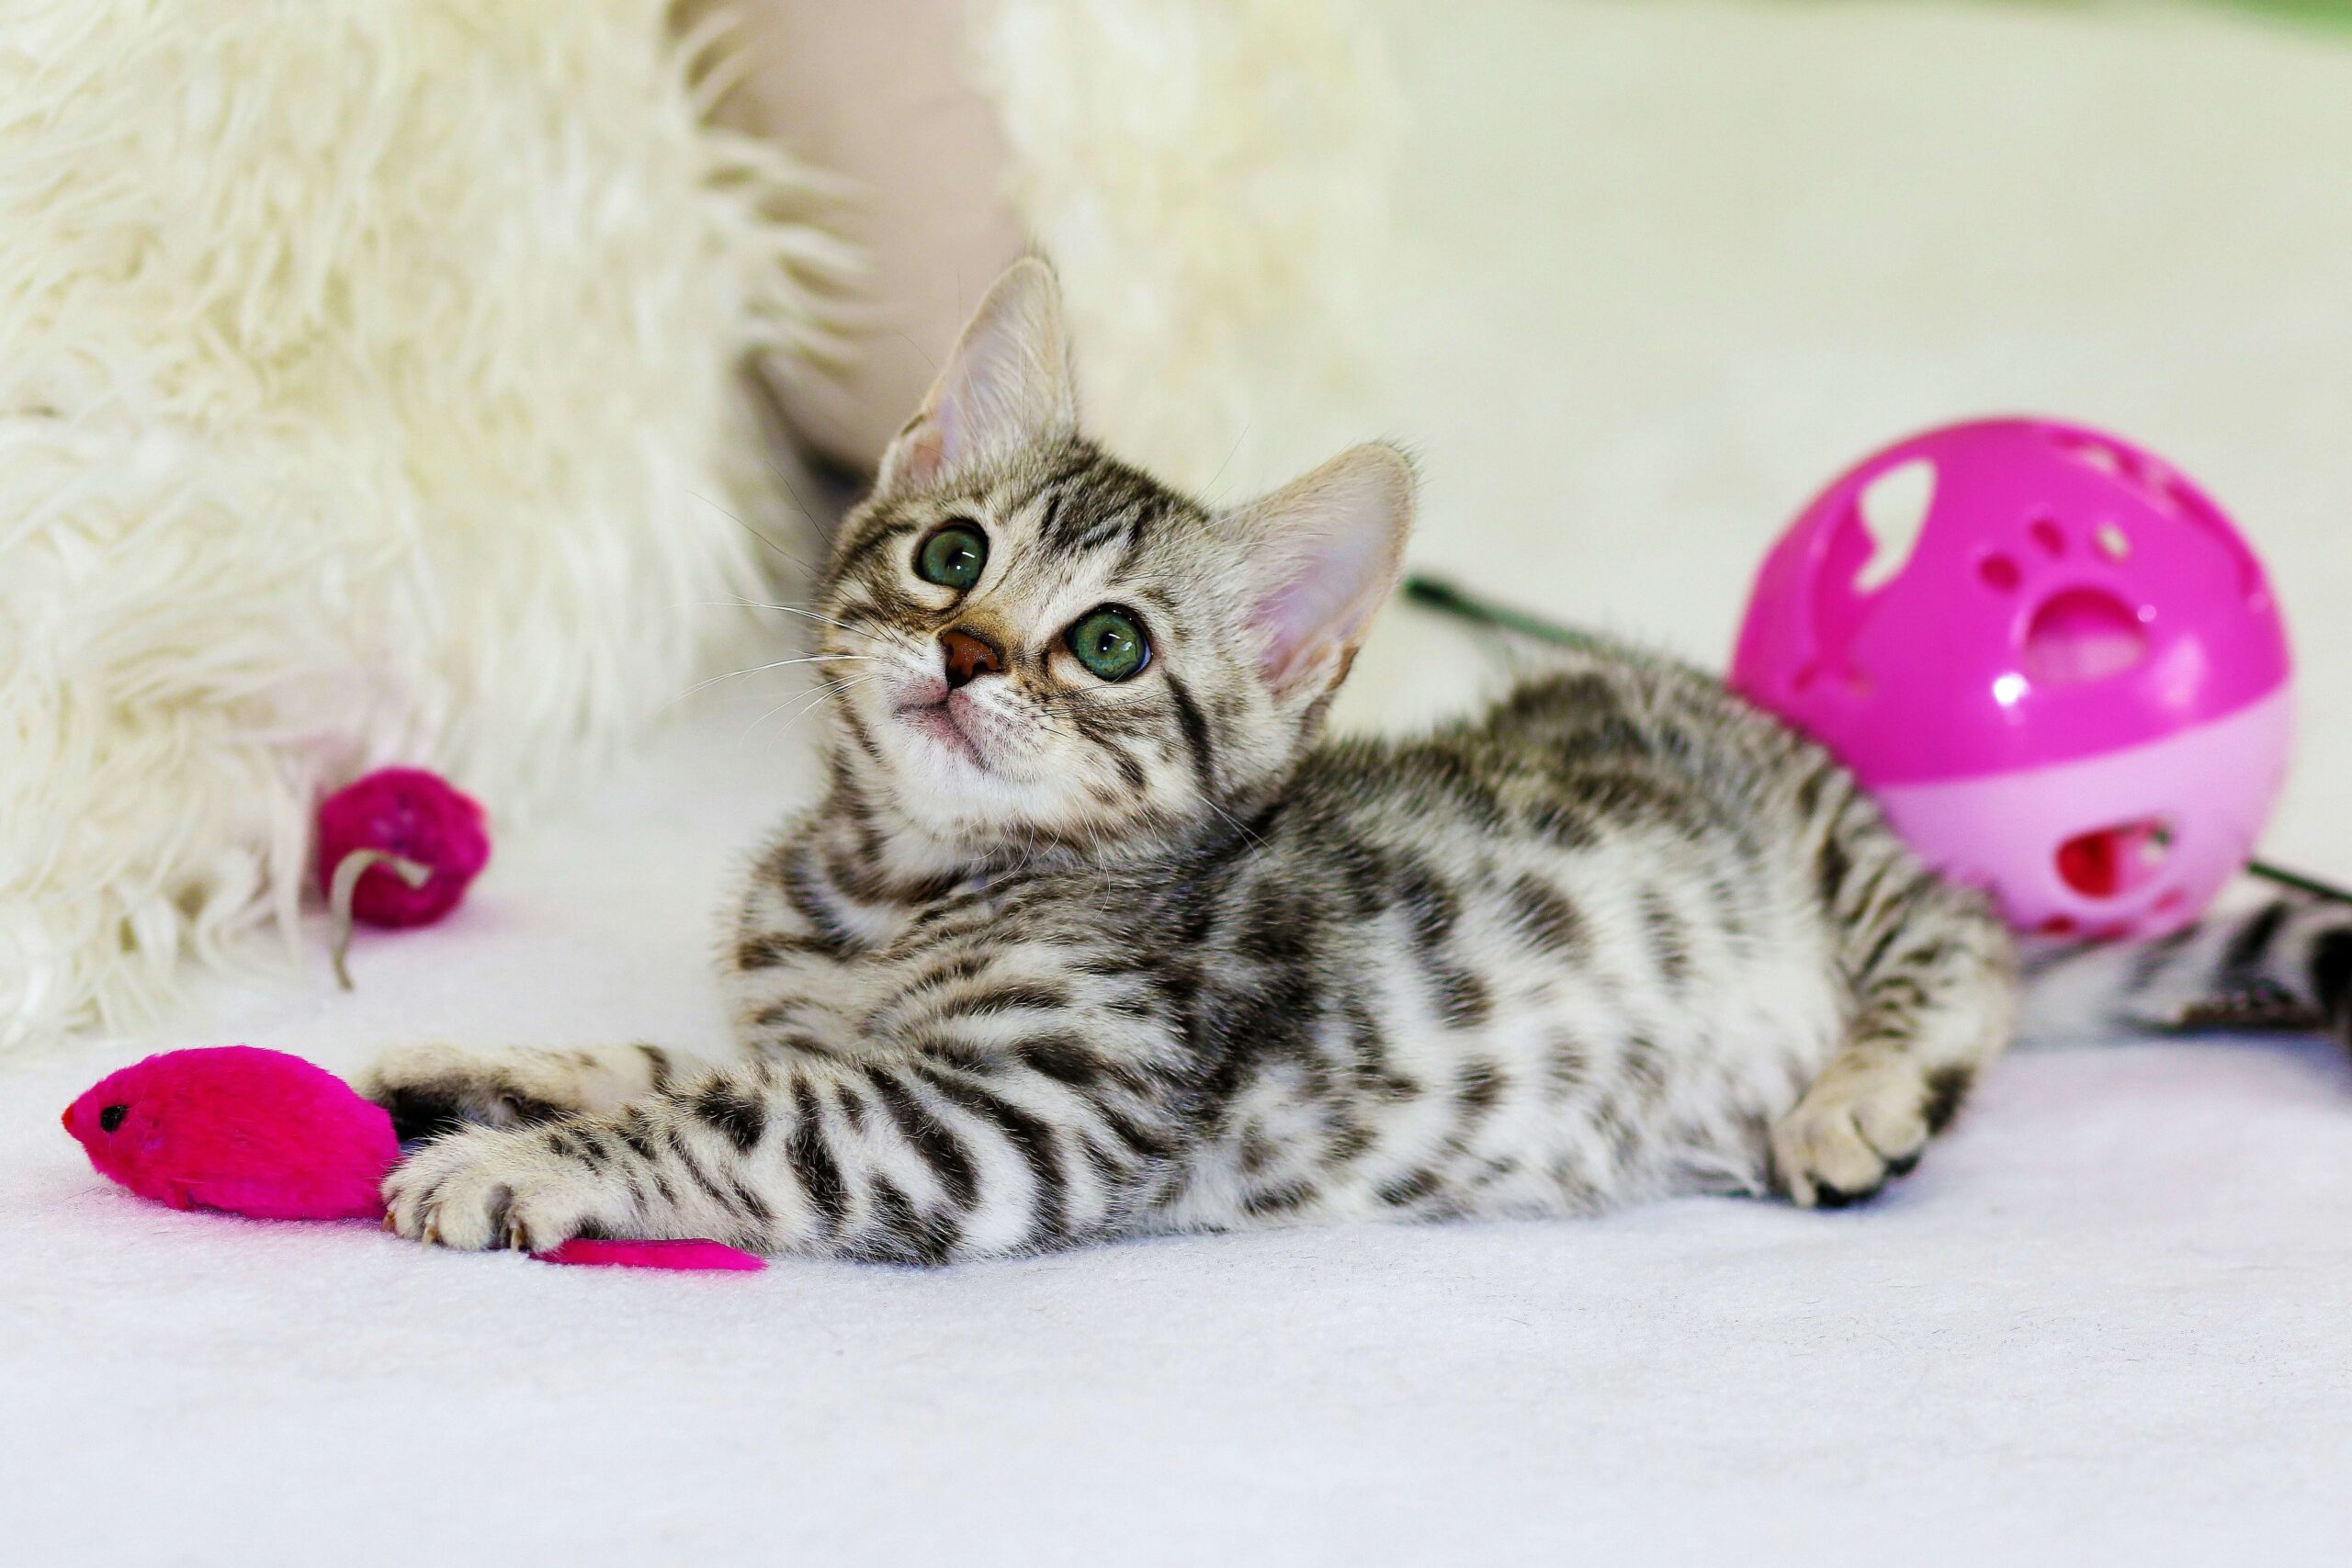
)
(367, 393)
(1210, 178)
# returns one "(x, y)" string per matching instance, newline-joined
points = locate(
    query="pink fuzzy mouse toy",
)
(254, 1133)
(271, 1137)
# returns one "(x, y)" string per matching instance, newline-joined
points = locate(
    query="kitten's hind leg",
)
(431, 1088)
(1934, 981)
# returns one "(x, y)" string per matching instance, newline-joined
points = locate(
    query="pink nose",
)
(969, 657)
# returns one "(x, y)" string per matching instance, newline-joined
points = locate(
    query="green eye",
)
(953, 557)
(1109, 643)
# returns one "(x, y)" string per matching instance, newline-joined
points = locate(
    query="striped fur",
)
(1109, 958)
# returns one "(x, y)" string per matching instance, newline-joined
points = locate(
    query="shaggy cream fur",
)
(1209, 177)
(368, 392)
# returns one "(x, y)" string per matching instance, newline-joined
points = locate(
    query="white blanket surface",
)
(1660, 270)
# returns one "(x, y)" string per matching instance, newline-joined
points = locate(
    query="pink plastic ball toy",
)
(2075, 691)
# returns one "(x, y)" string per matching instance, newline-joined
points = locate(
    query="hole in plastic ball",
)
(2081, 635)
(1999, 572)
(2113, 543)
(2108, 862)
(2049, 535)
(1893, 507)
(2092, 452)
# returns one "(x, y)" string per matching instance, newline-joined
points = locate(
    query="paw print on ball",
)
(2051, 657)
(2074, 631)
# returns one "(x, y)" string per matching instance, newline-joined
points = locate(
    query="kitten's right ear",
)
(1007, 385)
(1324, 553)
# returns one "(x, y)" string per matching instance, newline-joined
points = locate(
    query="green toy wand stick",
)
(1438, 595)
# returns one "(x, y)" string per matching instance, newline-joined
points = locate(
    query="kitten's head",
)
(1058, 651)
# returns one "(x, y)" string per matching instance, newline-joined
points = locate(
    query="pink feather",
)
(678, 1255)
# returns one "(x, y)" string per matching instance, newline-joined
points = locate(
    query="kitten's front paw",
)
(1849, 1135)
(511, 1186)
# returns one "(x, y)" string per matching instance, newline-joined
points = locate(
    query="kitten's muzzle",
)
(969, 656)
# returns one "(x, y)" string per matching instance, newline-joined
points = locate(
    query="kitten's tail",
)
(2283, 960)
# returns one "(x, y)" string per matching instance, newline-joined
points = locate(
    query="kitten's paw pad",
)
(431, 1090)
(491, 1187)
(1848, 1136)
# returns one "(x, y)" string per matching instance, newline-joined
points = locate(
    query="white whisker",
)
(793, 560)
(762, 669)
(816, 699)
(804, 614)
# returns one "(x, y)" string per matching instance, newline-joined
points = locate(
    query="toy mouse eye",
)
(111, 1117)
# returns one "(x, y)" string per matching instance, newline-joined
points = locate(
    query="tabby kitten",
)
(1090, 937)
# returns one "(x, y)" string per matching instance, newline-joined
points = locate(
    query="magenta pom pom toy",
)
(402, 814)
(271, 1137)
(2073, 690)
(397, 848)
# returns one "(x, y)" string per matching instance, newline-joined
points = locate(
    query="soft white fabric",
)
(2106, 1321)
(368, 393)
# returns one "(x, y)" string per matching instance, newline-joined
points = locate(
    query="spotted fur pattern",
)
(1058, 959)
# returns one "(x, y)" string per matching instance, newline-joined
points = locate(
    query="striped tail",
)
(2283, 960)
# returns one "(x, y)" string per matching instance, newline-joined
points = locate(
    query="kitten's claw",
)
(495, 1187)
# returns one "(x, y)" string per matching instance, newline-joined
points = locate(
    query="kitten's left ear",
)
(1007, 385)
(1324, 554)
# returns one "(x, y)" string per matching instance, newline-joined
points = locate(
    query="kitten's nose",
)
(969, 656)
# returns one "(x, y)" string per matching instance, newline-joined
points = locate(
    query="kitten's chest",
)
(958, 933)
